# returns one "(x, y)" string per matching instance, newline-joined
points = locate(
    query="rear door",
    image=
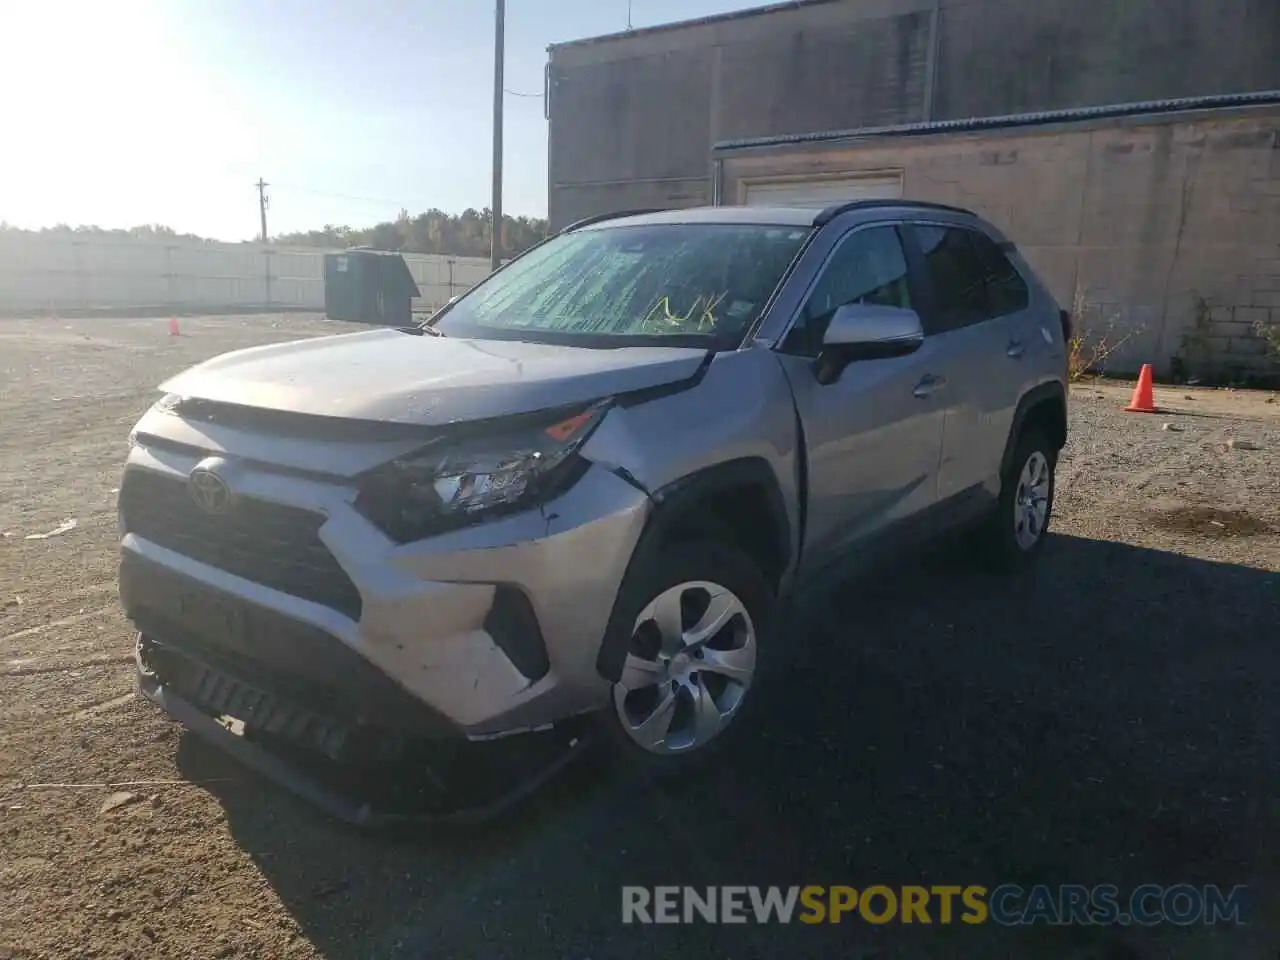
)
(873, 436)
(976, 312)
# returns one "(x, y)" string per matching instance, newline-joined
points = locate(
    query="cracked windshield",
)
(704, 280)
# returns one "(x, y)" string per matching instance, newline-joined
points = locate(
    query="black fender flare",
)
(672, 504)
(1052, 393)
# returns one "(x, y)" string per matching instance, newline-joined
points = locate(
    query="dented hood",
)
(396, 377)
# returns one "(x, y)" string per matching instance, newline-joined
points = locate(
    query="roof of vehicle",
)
(771, 216)
(763, 215)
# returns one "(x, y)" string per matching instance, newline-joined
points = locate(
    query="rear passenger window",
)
(972, 279)
(1006, 290)
(868, 267)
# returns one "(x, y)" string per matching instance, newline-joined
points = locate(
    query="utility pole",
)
(262, 205)
(266, 254)
(495, 251)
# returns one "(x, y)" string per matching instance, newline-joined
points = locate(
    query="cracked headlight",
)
(457, 481)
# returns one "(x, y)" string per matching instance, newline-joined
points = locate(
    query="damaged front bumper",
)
(495, 627)
(359, 772)
(452, 678)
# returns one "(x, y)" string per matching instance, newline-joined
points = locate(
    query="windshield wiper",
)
(419, 330)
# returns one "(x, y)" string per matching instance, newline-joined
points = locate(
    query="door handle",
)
(928, 385)
(1015, 349)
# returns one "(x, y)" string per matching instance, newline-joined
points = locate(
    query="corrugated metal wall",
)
(67, 272)
(633, 117)
(999, 57)
(871, 71)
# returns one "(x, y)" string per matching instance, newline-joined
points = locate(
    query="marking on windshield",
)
(706, 313)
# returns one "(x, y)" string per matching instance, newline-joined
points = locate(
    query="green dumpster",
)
(368, 286)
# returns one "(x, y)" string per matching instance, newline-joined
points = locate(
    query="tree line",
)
(466, 234)
(150, 231)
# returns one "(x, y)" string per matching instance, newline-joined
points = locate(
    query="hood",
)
(396, 377)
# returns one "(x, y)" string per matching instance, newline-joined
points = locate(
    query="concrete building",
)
(1131, 147)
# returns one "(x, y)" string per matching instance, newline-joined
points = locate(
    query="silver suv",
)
(572, 503)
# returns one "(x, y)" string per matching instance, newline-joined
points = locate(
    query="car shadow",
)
(1106, 717)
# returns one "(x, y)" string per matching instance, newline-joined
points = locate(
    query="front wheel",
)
(1016, 531)
(695, 657)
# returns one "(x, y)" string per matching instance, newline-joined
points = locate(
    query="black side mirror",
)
(860, 332)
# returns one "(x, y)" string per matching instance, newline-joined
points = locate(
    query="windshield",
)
(700, 283)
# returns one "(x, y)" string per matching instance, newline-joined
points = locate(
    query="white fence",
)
(40, 272)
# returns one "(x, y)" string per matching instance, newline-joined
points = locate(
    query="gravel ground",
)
(1105, 718)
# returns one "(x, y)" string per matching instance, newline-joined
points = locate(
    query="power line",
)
(348, 196)
(515, 93)
(420, 205)
(405, 203)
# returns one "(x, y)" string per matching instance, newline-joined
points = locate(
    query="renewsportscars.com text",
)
(1005, 905)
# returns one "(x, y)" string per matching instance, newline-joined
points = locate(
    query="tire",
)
(682, 698)
(1014, 534)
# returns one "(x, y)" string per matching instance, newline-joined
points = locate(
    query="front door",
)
(874, 436)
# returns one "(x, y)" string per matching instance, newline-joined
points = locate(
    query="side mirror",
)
(860, 331)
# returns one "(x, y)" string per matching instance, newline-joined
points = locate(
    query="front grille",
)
(267, 543)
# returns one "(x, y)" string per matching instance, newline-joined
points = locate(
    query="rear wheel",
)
(695, 658)
(1016, 531)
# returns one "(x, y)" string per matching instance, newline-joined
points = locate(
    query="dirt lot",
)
(1110, 717)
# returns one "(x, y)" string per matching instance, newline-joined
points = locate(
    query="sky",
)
(126, 112)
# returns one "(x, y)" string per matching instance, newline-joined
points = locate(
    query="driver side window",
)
(867, 267)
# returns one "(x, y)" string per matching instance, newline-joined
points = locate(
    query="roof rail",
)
(828, 214)
(601, 217)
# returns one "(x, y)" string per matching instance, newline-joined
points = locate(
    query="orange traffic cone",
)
(1143, 400)
(173, 327)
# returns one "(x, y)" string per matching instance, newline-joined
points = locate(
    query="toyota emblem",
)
(209, 491)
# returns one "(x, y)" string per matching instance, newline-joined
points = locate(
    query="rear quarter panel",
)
(1041, 325)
